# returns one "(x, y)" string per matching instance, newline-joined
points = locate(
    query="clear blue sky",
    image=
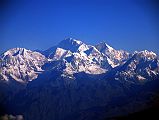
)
(124, 24)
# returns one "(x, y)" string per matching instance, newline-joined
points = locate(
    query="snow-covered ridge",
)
(116, 57)
(146, 54)
(21, 64)
(142, 66)
(25, 65)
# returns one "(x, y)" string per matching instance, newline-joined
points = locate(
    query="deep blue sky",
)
(130, 25)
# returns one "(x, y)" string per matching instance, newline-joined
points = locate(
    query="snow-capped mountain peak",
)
(21, 64)
(103, 46)
(74, 41)
(79, 57)
(70, 44)
(115, 56)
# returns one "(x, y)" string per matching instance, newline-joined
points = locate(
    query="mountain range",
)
(74, 80)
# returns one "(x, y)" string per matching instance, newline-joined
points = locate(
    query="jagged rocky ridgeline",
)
(73, 56)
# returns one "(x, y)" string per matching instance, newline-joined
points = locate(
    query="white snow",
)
(140, 77)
